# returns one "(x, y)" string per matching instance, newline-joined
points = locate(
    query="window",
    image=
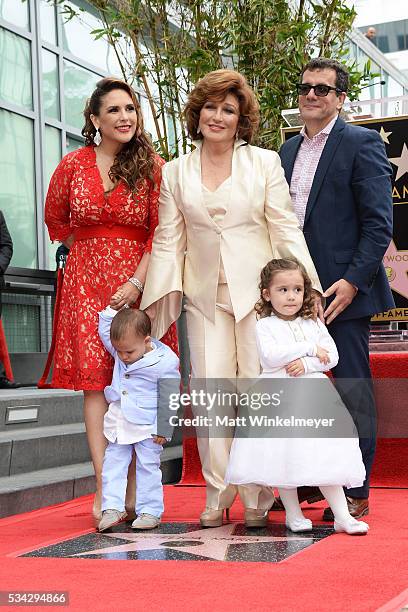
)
(73, 144)
(17, 196)
(50, 84)
(382, 43)
(52, 150)
(48, 24)
(41, 116)
(78, 40)
(391, 36)
(78, 85)
(15, 12)
(402, 42)
(34, 128)
(15, 73)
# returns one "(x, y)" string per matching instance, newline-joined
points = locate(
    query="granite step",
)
(32, 408)
(40, 448)
(388, 347)
(38, 489)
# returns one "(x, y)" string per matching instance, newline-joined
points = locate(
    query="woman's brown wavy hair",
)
(136, 160)
(216, 86)
(264, 308)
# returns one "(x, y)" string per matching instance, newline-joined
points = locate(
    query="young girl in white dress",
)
(291, 343)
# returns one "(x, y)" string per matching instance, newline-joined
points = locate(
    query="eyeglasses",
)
(319, 90)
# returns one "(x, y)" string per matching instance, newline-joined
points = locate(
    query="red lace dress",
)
(96, 267)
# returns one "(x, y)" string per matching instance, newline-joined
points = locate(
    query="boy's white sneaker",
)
(146, 521)
(110, 518)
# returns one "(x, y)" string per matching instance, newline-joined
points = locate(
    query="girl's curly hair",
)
(137, 158)
(264, 308)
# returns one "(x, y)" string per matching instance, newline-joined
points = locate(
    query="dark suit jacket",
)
(348, 221)
(6, 248)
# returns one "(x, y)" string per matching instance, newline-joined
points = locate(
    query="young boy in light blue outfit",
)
(131, 420)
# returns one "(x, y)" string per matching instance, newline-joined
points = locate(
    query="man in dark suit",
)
(6, 251)
(340, 183)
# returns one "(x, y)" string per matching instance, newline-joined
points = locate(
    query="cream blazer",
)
(259, 225)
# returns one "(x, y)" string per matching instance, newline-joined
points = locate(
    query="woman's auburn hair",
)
(216, 86)
(136, 161)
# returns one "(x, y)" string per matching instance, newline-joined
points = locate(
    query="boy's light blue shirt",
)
(136, 385)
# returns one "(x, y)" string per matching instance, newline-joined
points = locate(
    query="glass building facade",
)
(396, 83)
(390, 22)
(48, 67)
(390, 37)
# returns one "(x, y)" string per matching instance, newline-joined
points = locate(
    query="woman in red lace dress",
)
(102, 204)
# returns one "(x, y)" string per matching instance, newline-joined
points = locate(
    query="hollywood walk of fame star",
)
(384, 135)
(209, 543)
(396, 265)
(401, 162)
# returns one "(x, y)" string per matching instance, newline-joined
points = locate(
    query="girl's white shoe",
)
(351, 526)
(299, 524)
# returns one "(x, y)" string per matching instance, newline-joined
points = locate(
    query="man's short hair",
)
(130, 320)
(323, 63)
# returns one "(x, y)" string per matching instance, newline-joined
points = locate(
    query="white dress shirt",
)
(304, 170)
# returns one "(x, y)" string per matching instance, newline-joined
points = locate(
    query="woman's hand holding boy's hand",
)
(127, 294)
(159, 440)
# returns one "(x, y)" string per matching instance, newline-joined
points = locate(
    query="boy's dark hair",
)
(323, 63)
(130, 320)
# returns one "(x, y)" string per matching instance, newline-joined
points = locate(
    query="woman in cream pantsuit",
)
(224, 212)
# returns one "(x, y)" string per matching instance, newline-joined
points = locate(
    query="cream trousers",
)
(224, 349)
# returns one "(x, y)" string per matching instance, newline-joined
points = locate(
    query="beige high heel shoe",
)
(212, 517)
(256, 517)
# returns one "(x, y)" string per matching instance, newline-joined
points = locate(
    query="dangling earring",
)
(198, 130)
(236, 135)
(97, 138)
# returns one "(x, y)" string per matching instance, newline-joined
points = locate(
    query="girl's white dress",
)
(293, 462)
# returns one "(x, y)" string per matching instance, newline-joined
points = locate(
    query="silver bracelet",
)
(137, 283)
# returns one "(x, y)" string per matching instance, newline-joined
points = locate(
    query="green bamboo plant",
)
(164, 46)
